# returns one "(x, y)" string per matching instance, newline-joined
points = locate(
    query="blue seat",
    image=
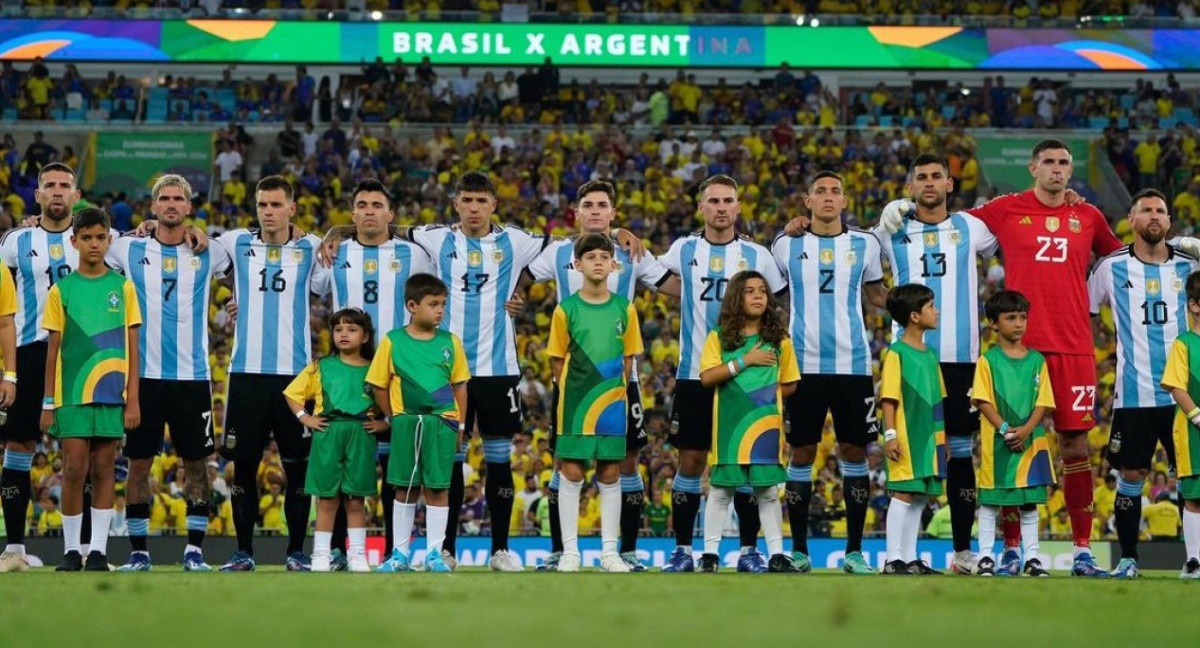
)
(1099, 123)
(864, 120)
(948, 112)
(75, 116)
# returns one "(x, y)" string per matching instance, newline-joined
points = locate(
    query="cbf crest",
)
(620, 328)
(114, 302)
(447, 354)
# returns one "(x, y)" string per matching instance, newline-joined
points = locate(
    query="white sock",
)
(101, 520)
(72, 526)
(912, 528)
(358, 541)
(18, 549)
(771, 516)
(1191, 533)
(402, 525)
(321, 544)
(610, 516)
(987, 531)
(716, 511)
(190, 548)
(1029, 534)
(897, 515)
(436, 518)
(568, 513)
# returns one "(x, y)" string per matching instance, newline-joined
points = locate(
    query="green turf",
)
(478, 608)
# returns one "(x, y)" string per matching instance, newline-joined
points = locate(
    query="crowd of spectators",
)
(537, 172)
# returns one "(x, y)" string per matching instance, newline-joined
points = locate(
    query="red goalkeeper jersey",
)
(1047, 252)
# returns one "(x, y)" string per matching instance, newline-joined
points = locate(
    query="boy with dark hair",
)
(911, 393)
(91, 382)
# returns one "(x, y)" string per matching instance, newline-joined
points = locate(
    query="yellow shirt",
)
(1147, 156)
(383, 372)
(55, 319)
(271, 508)
(1162, 519)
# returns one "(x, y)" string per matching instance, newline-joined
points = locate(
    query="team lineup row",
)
(826, 274)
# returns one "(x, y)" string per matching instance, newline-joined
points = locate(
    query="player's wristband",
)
(10, 376)
(733, 368)
(301, 414)
(48, 403)
(462, 427)
(889, 435)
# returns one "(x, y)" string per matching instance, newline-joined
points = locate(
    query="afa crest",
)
(851, 257)
(955, 237)
(474, 258)
(1153, 286)
(1177, 284)
(717, 264)
(194, 263)
(395, 266)
(169, 264)
(826, 257)
(620, 266)
(1074, 225)
(743, 265)
(1052, 224)
(931, 239)
(56, 251)
(370, 266)
(497, 256)
(297, 256)
(274, 254)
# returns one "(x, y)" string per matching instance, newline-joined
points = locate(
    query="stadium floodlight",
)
(377, 15)
(815, 22)
(800, 20)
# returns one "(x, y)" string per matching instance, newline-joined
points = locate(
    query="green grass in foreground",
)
(479, 608)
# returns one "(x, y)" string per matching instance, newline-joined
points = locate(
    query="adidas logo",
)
(907, 240)
(1128, 285)
(804, 256)
(694, 263)
(452, 255)
(1026, 221)
(569, 266)
(31, 253)
(144, 261)
(250, 253)
(345, 265)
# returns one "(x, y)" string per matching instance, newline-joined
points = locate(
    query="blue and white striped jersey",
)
(271, 284)
(705, 269)
(173, 287)
(481, 275)
(1149, 307)
(557, 263)
(825, 276)
(38, 259)
(372, 277)
(944, 257)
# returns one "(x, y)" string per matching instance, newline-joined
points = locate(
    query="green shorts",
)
(756, 475)
(342, 461)
(920, 486)
(423, 449)
(1013, 496)
(89, 422)
(1189, 488)
(577, 447)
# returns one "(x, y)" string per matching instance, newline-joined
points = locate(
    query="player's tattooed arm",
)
(876, 293)
(630, 243)
(196, 487)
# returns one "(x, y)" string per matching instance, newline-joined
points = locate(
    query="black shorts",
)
(850, 398)
(692, 416)
(962, 419)
(635, 420)
(183, 405)
(25, 415)
(1136, 432)
(494, 405)
(255, 409)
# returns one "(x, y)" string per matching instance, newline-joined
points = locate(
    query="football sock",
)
(987, 531)
(1191, 533)
(387, 493)
(960, 490)
(1010, 519)
(358, 541)
(245, 503)
(197, 521)
(101, 518)
(568, 513)
(340, 531)
(15, 490)
(716, 511)
(556, 545)
(403, 515)
(499, 489)
(747, 516)
(799, 497)
(610, 516)
(1127, 511)
(1029, 534)
(72, 525)
(85, 525)
(856, 488)
(685, 501)
(435, 527)
(771, 517)
(297, 505)
(457, 493)
(137, 520)
(897, 517)
(321, 544)
(633, 498)
(1077, 491)
(912, 527)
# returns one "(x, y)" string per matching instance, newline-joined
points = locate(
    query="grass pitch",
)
(479, 608)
